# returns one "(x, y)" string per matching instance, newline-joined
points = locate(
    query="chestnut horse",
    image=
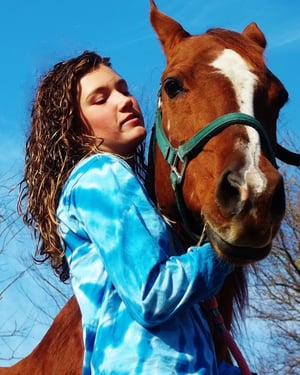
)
(224, 182)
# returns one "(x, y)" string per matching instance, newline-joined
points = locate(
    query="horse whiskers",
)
(203, 235)
(168, 220)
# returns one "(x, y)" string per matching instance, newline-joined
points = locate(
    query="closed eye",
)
(99, 100)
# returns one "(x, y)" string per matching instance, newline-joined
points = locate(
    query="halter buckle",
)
(178, 167)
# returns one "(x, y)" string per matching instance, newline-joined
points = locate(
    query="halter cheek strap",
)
(178, 158)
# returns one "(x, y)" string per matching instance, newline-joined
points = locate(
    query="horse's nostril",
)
(234, 196)
(229, 194)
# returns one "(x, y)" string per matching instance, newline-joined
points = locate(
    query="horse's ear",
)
(253, 32)
(168, 30)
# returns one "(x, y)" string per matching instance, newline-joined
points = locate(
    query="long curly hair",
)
(58, 140)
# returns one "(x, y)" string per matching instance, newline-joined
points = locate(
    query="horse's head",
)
(231, 185)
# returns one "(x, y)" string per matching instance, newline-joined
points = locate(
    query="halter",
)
(178, 158)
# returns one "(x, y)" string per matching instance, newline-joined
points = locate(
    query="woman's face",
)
(110, 111)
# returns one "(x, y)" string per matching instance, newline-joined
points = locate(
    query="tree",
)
(30, 295)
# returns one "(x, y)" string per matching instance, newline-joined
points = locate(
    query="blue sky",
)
(36, 34)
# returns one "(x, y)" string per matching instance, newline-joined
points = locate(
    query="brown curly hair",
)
(58, 140)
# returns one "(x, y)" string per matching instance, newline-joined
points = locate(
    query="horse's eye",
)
(172, 87)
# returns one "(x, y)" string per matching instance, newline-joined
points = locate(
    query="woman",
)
(94, 221)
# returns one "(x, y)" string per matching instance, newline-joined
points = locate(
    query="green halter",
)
(178, 158)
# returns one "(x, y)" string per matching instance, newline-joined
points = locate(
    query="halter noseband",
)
(178, 158)
(194, 145)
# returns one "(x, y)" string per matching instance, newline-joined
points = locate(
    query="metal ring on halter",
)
(179, 172)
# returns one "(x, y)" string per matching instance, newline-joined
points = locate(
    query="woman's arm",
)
(132, 240)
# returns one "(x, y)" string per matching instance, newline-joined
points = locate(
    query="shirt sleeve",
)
(228, 369)
(112, 207)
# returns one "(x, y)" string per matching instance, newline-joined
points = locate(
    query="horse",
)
(61, 349)
(213, 157)
(215, 136)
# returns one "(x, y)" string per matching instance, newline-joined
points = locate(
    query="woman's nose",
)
(124, 100)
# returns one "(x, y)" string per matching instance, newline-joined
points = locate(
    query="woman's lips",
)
(131, 119)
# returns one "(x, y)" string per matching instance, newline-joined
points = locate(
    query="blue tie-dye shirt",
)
(139, 303)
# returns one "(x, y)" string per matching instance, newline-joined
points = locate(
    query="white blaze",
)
(236, 69)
